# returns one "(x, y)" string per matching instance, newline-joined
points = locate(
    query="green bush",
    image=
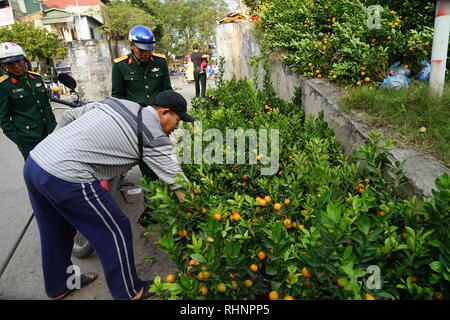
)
(322, 223)
(331, 39)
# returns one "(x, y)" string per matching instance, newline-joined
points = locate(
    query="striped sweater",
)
(99, 141)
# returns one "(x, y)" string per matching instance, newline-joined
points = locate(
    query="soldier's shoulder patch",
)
(35, 73)
(120, 59)
(3, 78)
(159, 55)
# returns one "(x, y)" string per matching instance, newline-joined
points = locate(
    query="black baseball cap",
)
(174, 101)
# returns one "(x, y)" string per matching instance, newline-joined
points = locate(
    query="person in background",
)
(210, 72)
(204, 64)
(26, 116)
(56, 88)
(190, 71)
(199, 78)
(142, 74)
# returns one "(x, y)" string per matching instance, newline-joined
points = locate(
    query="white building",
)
(67, 25)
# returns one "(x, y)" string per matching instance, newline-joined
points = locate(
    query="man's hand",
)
(180, 195)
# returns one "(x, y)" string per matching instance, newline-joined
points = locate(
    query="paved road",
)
(23, 276)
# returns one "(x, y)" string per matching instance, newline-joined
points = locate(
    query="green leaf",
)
(186, 283)
(347, 254)
(276, 231)
(157, 280)
(359, 273)
(410, 232)
(364, 225)
(348, 269)
(437, 266)
(275, 285)
(198, 257)
(411, 243)
(446, 276)
(333, 212)
(374, 235)
(291, 269)
(236, 249)
(271, 271)
(356, 204)
(249, 199)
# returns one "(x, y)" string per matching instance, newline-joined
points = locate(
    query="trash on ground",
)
(424, 74)
(134, 191)
(396, 82)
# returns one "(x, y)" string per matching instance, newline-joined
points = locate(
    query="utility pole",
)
(440, 46)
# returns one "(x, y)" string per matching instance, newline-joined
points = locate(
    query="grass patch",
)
(402, 113)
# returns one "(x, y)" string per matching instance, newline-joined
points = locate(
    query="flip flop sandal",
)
(85, 279)
(145, 293)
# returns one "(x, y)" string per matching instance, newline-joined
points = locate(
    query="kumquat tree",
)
(318, 226)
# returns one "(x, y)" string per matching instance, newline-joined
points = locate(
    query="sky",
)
(232, 4)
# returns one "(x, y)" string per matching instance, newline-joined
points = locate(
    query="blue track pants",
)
(63, 207)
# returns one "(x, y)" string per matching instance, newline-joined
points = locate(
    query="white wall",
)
(91, 67)
(236, 42)
(93, 11)
(83, 28)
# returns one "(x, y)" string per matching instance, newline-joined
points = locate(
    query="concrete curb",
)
(420, 171)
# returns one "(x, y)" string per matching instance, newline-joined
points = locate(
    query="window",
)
(4, 4)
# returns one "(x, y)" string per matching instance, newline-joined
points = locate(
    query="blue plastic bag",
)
(398, 69)
(424, 74)
(396, 82)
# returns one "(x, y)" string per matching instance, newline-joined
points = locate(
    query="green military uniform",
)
(26, 115)
(140, 81)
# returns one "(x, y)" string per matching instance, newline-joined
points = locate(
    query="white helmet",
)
(10, 52)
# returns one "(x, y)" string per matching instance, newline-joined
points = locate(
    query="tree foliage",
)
(36, 42)
(191, 21)
(176, 24)
(121, 16)
(339, 39)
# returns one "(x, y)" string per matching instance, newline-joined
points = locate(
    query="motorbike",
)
(82, 248)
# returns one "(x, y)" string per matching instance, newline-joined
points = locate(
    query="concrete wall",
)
(237, 43)
(91, 67)
(123, 48)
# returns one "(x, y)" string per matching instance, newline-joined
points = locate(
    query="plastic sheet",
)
(424, 74)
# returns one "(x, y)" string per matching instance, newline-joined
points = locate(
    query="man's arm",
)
(6, 123)
(162, 160)
(74, 113)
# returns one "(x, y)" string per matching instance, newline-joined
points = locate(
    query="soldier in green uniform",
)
(142, 74)
(26, 115)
